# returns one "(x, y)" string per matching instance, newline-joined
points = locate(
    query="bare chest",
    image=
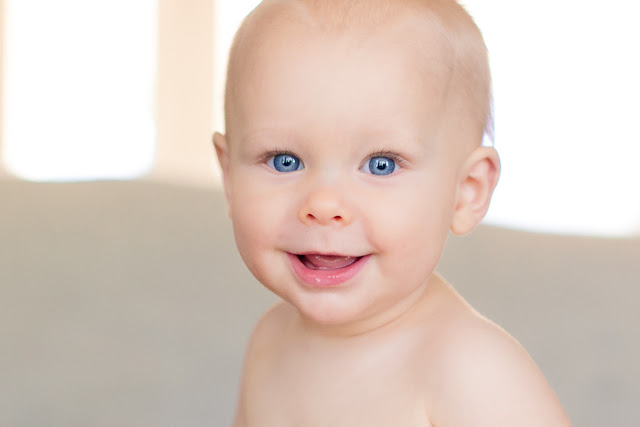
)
(370, 390)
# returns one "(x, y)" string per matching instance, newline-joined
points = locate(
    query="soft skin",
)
(394, 344)
(330, 102)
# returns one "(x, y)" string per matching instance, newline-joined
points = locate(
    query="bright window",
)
(79, 88)
(567, 97)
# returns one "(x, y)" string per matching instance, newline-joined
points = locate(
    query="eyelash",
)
(272, 153)
(381, 153)
(393, 156)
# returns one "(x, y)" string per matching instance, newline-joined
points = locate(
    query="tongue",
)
(327, 262)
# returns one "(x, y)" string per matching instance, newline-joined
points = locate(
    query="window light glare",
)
(79, 80)
(566, 108)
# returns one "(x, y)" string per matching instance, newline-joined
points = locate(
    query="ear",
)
(479, 178)
(222, 151)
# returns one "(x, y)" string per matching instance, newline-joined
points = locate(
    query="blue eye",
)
(380, 165)
(285, 163)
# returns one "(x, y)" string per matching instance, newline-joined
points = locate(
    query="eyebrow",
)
(382, 138)
(397, 136)
(282, 134)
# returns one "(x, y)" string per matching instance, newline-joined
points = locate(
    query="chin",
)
(327, 317)
(329, 310)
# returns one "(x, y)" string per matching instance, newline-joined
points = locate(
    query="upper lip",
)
(337, 254)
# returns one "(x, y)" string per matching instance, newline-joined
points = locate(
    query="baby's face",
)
(341, 185)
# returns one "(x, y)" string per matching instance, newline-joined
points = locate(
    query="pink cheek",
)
(257, 230)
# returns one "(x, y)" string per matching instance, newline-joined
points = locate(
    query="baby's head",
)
(440, 35)
(353, 146)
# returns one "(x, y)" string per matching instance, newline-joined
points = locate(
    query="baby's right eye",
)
(285, 163)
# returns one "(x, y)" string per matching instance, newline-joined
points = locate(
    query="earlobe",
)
(222, 151)
(475, 188)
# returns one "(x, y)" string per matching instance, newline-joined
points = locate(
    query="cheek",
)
(259, 219)
(413, 228)
(250, 216)
(410, 216)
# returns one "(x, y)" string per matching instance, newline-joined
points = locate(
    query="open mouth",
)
(326, 262)
(317, 270)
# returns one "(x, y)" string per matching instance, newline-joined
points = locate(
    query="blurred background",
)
(122, 298)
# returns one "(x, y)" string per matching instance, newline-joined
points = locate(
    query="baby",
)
(352, 147)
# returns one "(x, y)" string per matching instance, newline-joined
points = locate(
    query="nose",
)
(325, 206)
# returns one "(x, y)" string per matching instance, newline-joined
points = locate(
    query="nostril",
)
(313, 218)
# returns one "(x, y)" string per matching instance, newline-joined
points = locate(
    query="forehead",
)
(349, 77)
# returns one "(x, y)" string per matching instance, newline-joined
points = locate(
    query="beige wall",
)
(185, 92)
(2, 168)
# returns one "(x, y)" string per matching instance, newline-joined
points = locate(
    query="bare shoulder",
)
(270, 326)
(480, 375)
(264, 342)
(266, 337)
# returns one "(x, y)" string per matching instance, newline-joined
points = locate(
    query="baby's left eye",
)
(379, 165)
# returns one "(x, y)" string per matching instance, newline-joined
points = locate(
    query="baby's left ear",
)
(480, 176)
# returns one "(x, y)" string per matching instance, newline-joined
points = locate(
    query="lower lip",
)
(326, 278)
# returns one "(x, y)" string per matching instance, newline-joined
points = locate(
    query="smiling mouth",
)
(326, 271)
(327, 262)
